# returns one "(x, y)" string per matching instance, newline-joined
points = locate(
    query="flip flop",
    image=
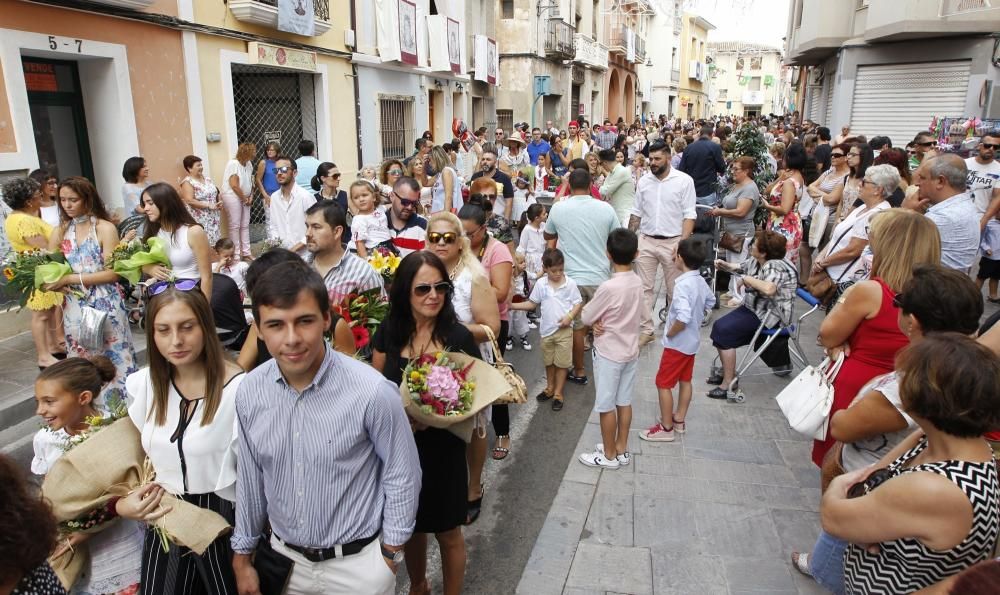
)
(801, 563)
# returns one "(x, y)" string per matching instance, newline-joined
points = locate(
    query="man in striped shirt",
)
(327, 456)
(343, 272)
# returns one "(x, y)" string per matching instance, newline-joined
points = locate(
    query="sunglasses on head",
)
(990, 146)
(449, 237)
(181, 285)
(441, 287)
(282, 170)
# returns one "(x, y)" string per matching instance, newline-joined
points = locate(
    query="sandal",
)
(557, 403)
(475, 507)
(801, 563)
(421, 588)
(679, 426)
(500, 453)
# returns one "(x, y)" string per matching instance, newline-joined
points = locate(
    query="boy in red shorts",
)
(681, 339)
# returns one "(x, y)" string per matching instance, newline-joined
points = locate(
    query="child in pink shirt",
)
(615, 312)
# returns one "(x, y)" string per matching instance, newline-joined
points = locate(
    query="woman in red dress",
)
(864, 322)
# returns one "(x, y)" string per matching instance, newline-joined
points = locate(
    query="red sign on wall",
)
(39, 76)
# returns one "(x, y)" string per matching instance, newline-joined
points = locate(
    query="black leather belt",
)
(314, 554)
(659, 237)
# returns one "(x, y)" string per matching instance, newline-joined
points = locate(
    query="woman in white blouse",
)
(236, 194)
(183, 405)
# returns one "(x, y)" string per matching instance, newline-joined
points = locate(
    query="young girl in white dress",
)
(65, 392)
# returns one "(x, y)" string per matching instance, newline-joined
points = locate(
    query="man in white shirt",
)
(663, 214)
(984, 174)
(287, 213)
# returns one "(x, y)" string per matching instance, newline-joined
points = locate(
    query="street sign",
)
(543, 85)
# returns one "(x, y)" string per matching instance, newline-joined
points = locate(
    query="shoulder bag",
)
(807, 399)
(821, 285)
(518, 392)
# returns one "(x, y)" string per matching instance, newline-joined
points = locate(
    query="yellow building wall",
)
(8, 143)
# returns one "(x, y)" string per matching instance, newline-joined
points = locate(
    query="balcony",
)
(590, 54)
(130, 4)
(560, 43)
(265, 13)
(931, 19)
(640, 49)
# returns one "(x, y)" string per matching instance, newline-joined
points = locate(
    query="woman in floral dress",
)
(87, 241)
(201, 196)
(782, 201)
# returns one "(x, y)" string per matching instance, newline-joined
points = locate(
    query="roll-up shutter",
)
(827, 121)
(815, 93)
(899, 100)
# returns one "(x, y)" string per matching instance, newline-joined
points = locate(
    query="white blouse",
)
(209, 452)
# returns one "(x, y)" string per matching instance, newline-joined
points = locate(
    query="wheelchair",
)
(753, 352)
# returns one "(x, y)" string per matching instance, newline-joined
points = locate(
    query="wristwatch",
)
(396, 557)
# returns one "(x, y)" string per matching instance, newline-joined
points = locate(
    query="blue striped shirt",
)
(329, 465)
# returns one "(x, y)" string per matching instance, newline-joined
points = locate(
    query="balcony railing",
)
(559, 40)
(265, 13)
(590, 53)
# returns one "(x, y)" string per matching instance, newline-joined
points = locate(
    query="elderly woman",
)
(936, 300)
(201, 197)
(737, 212)
(930, 505)
(863, 324)
(421, 320)
(841, 258)
(770, 282)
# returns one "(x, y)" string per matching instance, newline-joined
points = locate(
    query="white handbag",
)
(807, 399)
(817, 229)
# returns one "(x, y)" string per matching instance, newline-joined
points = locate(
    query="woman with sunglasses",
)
(184, 406)
(422, 319)
(822, 189)
(49, 205)
(87, 239)
(846, 195)
(326, 183)
(187, 243)
(936, 300)
(236, 194)
(390, 171)
(930, 505)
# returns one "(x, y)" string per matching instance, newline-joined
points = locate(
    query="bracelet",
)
(80, 275)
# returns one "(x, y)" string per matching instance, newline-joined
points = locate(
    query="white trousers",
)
(364, 573)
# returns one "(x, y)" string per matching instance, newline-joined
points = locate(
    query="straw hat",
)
(515, 139)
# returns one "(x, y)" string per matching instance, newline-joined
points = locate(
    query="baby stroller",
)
(705, 229)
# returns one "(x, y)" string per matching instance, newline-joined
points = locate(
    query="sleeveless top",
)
(907, 565)
(437, 192)
(876, 341)
(183, 262)
(269, 180)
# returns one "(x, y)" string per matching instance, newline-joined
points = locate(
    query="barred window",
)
(395, 125)
(505, 119)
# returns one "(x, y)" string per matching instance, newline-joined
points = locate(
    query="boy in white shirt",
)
(561, 302)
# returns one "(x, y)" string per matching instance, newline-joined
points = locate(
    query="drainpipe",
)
(357, 86)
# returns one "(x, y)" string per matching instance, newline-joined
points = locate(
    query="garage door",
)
(814, 97)
(828, 93)
(899, 100)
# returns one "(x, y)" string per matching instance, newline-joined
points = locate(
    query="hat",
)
(515, 139)
(573, 123)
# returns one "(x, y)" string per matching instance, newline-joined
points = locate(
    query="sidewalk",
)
(717, 511)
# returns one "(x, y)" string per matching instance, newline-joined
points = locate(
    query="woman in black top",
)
(422, 320)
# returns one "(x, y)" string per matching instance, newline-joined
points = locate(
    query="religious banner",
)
(492, 61)
(454, 46)
(296, 16)
(387, 29)
(408, 31)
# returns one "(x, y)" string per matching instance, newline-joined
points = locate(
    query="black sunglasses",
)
(863, 488)
(334, 176)
(281, 170)
(441, 288)
(406, 202)
(927, 144)
(990, 146)
(836, 155)
(479, 197)
(449, 237)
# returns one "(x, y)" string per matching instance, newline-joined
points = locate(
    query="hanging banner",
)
(296, 16)
(387, 29)
(454, 46)
(408, 32)
(629, 45)
(492, 61)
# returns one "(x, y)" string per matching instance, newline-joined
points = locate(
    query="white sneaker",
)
(657, 433)
(623, 459)
(532, 325)
(596, 459)
(525, 344)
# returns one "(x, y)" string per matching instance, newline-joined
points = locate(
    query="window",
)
(594, 16)
(740, 63)
(756, 62)
(798, 13)
(395, 125)
(507, 8)
(723, 94)
(505, 119)
(754, 84)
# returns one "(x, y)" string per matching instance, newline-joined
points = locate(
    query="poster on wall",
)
(454, 46)
(491, 61)
(408, 31)
(296, 16)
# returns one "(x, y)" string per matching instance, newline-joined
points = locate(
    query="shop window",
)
(395, 126)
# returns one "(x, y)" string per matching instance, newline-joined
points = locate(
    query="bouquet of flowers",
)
(364, 312)
(446, 390)
(269, 244)
(385, 263)
(107, 464)
(128, 258)
(27, 271)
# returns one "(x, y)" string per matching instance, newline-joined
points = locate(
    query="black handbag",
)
(273, 569)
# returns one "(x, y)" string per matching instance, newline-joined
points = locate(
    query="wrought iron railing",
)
(321, 8)
(560, 40)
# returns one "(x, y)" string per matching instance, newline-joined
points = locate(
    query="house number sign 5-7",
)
(65, 44)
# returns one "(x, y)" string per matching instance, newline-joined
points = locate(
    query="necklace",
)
(454, 271)
(81, 219)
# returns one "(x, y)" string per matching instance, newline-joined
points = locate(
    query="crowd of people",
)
(563, 231)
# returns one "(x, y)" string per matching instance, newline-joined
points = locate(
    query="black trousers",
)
(501, 413)
(180, 571)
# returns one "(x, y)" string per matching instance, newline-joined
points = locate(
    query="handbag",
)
(817, 229)
(273, 569)
(731, 242)
(91, 334)
(821, 286)
(807, 399)
(518, 392)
